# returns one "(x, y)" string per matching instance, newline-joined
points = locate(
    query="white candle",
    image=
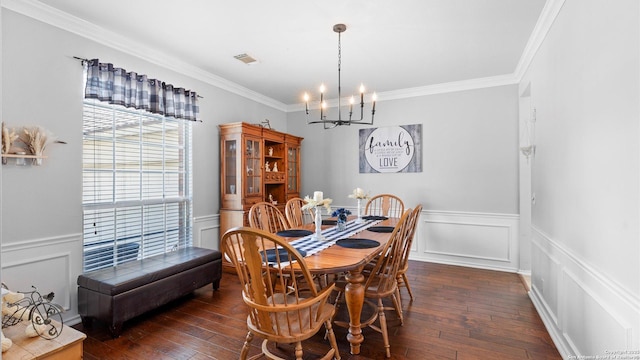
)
(317, 196)
(373, 98)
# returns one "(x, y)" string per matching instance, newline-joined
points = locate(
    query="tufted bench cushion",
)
(117, 294)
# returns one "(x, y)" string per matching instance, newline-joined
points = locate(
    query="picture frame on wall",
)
(391, 149)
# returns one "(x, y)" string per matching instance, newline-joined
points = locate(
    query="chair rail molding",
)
(585, 311)
(50, 264)
(42, 242)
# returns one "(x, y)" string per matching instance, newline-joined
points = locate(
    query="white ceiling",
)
(388, 45)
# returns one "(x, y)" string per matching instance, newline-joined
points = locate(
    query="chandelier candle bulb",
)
(361, 94)
(306, 103)
(321, 100)
(373, 98)
(317, 196)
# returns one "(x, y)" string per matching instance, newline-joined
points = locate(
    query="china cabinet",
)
(256, 164)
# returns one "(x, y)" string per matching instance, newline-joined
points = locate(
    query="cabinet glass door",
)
(230, 158)
(254, 170)
(292, 169)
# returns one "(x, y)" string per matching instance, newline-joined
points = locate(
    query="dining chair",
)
(280, 311)
(384, 205)
(404, 263)
(381, 282)
(266, 216)
(295, 215)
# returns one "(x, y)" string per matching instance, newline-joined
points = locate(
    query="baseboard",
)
(526, 281)
(550, 323)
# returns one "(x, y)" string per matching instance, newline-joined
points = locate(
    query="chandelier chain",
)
(339, 77)
(339, 54)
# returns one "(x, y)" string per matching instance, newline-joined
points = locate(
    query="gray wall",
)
(584, 83)
(41, 224)
(43, 86)
(1, 52)
(470, 152)
(469, 181)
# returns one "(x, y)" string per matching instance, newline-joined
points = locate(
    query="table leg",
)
(354, 297)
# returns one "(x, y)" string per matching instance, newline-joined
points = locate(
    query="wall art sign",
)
(391, 149)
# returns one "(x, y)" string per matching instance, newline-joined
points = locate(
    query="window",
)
(136, 194)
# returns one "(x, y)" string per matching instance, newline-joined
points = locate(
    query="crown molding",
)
(463, 85)
(49, 15)
(548, 15)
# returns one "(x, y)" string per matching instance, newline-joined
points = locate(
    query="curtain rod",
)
(83, 60)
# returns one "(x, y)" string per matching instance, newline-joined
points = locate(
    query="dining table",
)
(333, 258)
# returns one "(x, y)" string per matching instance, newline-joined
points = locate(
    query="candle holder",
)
(359, 220)
(318, 234)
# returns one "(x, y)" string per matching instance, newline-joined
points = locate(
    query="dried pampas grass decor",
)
(8, 137)
(36, 139)
(33, 142)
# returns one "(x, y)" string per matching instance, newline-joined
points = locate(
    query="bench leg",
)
(216, 284)
(115, 330)
(87, 322)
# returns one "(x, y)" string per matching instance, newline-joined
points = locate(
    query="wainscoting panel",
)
(584, 333)
(587, 313)
(545, 278)
(51, 265)
(206, 232)
(469, 239)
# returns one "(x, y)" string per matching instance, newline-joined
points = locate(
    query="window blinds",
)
(136, 184)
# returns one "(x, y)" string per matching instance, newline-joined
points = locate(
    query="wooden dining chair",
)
(381, 282)
(384, 205)
(266, 216)
(295, 215)
(404, 264)
(283, 308)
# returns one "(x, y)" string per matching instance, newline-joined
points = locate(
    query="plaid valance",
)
(117, 86)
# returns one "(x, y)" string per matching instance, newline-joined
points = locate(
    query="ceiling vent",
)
(247, 59)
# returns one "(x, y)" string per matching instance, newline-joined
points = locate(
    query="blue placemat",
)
(381, 229)
(358, 243)
(294, 233)
(374, 217)
(282, 253)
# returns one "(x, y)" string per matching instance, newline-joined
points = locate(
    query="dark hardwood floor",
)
(458, 313)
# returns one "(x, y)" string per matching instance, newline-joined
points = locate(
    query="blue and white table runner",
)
(313, 246)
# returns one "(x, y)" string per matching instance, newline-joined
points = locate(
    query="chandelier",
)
(331, 123)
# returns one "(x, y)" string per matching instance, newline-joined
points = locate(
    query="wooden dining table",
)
(337, 259)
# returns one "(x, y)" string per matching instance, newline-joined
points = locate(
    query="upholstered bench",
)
(116, 294)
